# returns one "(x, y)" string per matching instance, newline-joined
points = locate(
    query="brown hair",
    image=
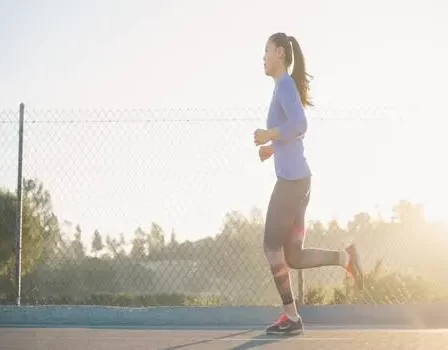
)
(299, 74)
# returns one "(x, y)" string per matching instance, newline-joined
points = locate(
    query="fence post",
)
(300, 296)
(18, 226)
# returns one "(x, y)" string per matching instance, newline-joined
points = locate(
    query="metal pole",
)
(300, 289)
(18, 233)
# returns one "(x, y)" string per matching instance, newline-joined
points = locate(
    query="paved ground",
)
(100, 339)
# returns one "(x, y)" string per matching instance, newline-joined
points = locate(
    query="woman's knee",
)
(274, 253)
(293, 255)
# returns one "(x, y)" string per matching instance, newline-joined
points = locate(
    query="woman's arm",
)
(296, 124)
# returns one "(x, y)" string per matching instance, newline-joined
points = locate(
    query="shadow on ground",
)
(255, 342)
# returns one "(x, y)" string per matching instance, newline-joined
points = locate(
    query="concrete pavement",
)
(153, 339)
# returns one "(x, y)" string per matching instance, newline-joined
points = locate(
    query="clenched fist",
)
(265, 152)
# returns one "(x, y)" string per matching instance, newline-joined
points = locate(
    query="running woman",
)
(285, 219)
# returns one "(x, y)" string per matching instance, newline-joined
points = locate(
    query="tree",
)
(334, 228)
(39, 201)
(77, 249)
(122, 240)
(234, 224)
(334, 236)
(155, 239)
(115, 247)
(234, 258)
(360, 222)
(256, 216)
(173, 240)
(408, 214)
(360, 228)
(138, 251)
(97, 243)
(316, 233)
(40, 228)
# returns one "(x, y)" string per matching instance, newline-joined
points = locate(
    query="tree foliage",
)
(40, 229)
(226, 267)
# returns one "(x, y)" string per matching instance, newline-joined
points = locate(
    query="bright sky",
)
(382, 59)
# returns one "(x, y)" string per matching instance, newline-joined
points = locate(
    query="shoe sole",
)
(286, 334)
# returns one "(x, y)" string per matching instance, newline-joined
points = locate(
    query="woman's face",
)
(273, 58)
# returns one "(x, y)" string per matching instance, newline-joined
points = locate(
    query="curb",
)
(420, 316)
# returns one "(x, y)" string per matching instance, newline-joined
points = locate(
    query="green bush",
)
(121, 299)
(381, 287)
(315, 296)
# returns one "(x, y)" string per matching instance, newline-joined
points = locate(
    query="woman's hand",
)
(261, 137)
(265, 152)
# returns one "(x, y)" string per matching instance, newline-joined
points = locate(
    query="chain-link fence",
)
(167, 208)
